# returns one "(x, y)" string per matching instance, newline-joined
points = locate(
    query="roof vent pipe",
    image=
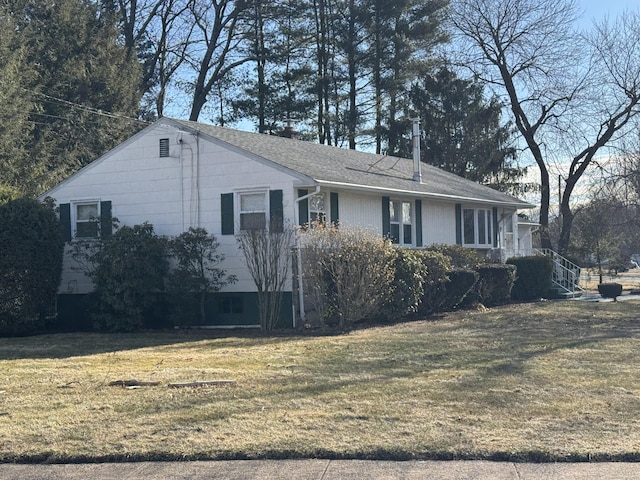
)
(417, 171)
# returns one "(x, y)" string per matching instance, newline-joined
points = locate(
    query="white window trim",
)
(74, 216)
(489, 228)
(238, 211)
(313, 214)
(401, 223)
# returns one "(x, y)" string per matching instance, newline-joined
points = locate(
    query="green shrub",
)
(438, 265)
(195, 276)
(494, 284)
(461, 282)
(533, 277)
(610, 290)
(31, 250)
(408, 285)
(461, 257)
(348, 273)
(129, 274)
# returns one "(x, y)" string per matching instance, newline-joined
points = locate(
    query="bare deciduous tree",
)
(268, 256)
(568, 93)
(218, 39)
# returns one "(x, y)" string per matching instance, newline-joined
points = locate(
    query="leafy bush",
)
(195, 276)
(408, 285)
(31, 249)
(130, 268)
(349, 272)
(533, 277)
(610, 290)
(494, 284)
(461, 257)
(438, 265)
(461, 282)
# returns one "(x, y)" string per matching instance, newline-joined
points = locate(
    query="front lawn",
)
(542, 381)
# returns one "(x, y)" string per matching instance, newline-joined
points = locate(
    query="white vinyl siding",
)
(438, 223)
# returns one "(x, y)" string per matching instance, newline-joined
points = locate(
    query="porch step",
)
(560, 294)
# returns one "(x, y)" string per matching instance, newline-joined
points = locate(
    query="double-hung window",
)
(87, 219)
(400, 214)
(477, 227)
(253, 210)
(317, 209)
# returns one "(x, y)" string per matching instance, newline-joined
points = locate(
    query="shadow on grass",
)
(67, 345)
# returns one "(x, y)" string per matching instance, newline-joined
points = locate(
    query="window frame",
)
(317, 215)
(479, 215)
(95, 220)
(400, 222)
(241, 212)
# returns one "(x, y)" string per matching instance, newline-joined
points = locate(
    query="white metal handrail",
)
(566, 274)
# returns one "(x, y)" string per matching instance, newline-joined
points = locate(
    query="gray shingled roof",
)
(352, 169)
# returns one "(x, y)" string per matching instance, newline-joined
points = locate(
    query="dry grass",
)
(552, 380)
(629, 280)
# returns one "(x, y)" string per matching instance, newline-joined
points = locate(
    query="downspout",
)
(299, 255)
(197, 179)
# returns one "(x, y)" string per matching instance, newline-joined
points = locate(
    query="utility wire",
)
(88, 109)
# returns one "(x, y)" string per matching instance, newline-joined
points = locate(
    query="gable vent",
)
(164, 147)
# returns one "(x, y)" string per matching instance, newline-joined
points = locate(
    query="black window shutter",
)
(276, 211)
(106, 225)
(386, 217)
(303, 208)
(495, 227)
(334, 216)
(458, 224)
(418, 223)
(65, 221)
(226, 213)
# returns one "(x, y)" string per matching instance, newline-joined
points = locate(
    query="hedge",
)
(533, 277)
(494, 284)
(30, 265)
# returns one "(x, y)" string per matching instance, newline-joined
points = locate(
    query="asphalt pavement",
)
(322, 470)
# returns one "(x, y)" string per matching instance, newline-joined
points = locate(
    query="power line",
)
(88, 109)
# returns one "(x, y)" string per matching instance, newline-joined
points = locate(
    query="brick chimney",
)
(289, 132)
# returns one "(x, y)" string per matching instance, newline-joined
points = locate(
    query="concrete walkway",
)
(322, 470)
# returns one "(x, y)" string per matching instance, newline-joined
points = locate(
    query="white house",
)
(177, 174)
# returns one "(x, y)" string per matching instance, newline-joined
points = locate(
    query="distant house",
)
(177, 174)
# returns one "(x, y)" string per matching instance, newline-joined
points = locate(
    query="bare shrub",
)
(268, 255)
(348, 272)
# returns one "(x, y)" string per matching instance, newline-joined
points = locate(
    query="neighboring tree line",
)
(350, 73)
(570, 93)
(606, 231)
(65, 83)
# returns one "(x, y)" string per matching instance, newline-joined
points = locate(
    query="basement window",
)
(230, 304)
